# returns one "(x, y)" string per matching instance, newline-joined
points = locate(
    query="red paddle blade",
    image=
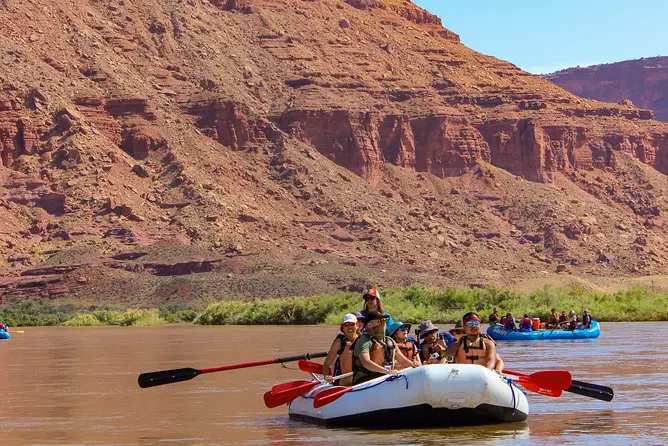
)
(277, 399)
(284, 387)
(330, 395)
(537, 386)
(271, 400)
(560, 379)
(284, 393)
(310, 366)
(551, 378)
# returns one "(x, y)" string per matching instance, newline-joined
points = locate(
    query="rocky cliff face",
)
(643, 82)
(347, 140)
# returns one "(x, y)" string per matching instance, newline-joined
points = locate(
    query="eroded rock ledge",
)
(439, 144)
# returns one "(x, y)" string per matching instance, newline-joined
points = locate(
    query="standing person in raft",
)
(339, 360)
(475, 348)
(374, 354)
(373, 302)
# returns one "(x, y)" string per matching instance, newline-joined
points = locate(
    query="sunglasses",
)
(350, 324)
(472, 323)
(368, 298)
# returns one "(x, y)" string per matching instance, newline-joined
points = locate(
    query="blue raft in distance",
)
(499, 333)
(4, 335)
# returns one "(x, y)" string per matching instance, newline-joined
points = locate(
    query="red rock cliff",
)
(642, 81)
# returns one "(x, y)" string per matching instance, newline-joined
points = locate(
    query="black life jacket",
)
(362, 374)
(343, 340)
(586, 321)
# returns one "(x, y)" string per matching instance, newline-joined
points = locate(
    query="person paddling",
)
(475, 348)
(339, 359)
(399, 332)
(373, 302)
(374, 354)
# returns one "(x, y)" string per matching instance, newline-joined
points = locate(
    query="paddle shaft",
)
(258, 363)
(152, 379)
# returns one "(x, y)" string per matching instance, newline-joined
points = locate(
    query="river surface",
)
(79, 386)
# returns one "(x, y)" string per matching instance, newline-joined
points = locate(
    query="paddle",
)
(590, 390)
(151, 379)
(284, 393)
(542, 387)
(310, 366)
(330, 395)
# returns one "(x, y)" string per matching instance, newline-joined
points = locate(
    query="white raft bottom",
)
(432, 395)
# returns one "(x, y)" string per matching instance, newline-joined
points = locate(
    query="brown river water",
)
(79, 386)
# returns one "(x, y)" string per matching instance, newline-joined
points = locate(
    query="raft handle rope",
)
(512, 391)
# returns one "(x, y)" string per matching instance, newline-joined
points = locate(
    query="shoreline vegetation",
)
(409, 304)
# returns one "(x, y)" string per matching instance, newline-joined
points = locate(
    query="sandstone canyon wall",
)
(332, 142)
(644, 82)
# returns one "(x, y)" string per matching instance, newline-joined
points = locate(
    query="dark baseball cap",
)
(373, 315)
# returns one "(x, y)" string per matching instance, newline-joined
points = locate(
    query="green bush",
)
(417, 303)
(410, 304)
(83, 320)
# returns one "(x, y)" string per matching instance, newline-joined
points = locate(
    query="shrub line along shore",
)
(409, 304)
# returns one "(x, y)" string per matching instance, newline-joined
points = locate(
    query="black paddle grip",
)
(307, 356)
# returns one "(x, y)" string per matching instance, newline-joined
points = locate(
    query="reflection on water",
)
(78, 385)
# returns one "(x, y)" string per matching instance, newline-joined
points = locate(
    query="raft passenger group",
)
(372, 344)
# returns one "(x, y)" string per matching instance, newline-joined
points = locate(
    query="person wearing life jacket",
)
(475, 348)
(373, 302)
(375, 354)
(494, 317)
(525, 324)
(4, 327)
(339, 359)
(509, 323)
(572, 321)
(432, 348)
(407, 345)
(586, 319)
(563, 319)
(458, 332)
(553, 322)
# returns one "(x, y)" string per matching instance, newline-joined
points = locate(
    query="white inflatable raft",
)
(432, 395)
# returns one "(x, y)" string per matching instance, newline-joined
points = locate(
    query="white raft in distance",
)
(431, 395)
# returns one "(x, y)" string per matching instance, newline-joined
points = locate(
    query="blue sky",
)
(542, 36)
